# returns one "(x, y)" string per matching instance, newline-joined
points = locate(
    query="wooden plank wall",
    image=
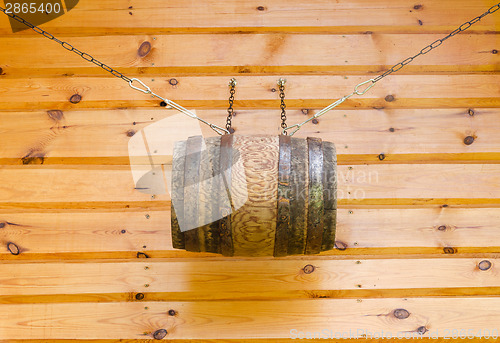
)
(417, 246)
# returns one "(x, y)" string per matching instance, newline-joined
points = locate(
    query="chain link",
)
(281, 85)
(394, 68)
(143, 87)
(66, 45)
(437, 43)
(230, 111)
(281, 82)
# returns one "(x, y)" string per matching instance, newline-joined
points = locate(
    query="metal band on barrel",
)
(283, 213)
(225, 208)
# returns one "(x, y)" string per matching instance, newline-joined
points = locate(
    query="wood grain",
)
(39, 183)
(212, 88)
(423, 135)
(239, 14)
(232, 50)
(249, 319)
(255, 185)
(399, 230)
(221, 276)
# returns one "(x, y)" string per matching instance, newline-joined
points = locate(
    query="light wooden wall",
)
(417, 239)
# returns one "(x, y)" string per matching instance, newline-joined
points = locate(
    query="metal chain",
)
(393, 69)
(230, 111)
(281, 84)
(221, 130)
(145, 89)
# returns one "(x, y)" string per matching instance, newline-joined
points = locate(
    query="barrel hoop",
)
(283, 214)
(177, 193)
(225, 208)
(316, 205)
(330, 196)
(298, 197)
(209, 187)
(191, 192)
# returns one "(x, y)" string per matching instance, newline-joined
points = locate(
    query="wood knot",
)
(418, 7)
(172, 312)
(139, 296)
(449, 250)
(389, 98)
(142, 255)
(55, 115)
(442, 228)
(162, 104)
(421, 330)
(305, 111)
(144, 49)
(308, 269)
(339, 245)
(173, 82)
(400, 313)
(484, 265)
(468, 140)
(261, 8)
(494, 52)
(391, 129)
(420, 22)
(75, 98)
(160, 334)
(315, 121)
(130, 133)
(13, 248)
(381, 157)
(2, 225)
(470, 112)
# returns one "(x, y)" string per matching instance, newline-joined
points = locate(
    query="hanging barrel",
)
(254, 195)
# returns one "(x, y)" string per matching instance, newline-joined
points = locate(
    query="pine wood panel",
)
(246, 319)
(101, 136)
(184, 50)
(39, 183)
(414, 223)
(74, 234)
(213, 88)
(221, 276)
(243, 13)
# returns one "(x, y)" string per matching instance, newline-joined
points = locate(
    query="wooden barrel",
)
(254, 195)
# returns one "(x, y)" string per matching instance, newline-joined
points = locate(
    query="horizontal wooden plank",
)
(213, 88)
(357, 103)
(230, 71)
(251, 319)
(273, 13)
(84, 234)
(244, 276)
(102, 136)
(233, 50)
(350, 159)
(40, 183)
(261, 340)
(269, 294)
(32, 183)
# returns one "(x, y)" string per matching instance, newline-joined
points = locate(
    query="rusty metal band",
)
(329, 196)
(316, 205)
(298, 197)
(283, 213)
(191, 192)
(177, 208)
(209, 172)
(225, 208)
